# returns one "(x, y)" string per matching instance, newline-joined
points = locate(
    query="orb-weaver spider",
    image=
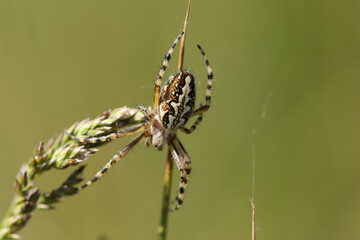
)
(173, 106)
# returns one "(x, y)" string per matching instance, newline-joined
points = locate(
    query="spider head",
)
(160, 135)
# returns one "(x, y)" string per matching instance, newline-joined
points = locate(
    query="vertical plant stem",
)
(169, 163)
(166, 197)
(182, 46)
(253, 232)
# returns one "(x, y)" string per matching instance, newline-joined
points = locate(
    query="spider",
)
(173, 106)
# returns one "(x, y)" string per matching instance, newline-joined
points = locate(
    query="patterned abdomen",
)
(177, 100)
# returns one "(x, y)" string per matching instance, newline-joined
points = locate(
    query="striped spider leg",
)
(210, 76)
(112, 136)
(183, 163)
(115, 159)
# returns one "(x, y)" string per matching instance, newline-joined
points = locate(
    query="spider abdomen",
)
(177, 100)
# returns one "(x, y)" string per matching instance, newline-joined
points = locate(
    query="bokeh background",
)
(63, 61)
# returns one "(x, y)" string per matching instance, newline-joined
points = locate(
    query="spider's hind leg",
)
(204, 108)
(162, 71)
(193, 127)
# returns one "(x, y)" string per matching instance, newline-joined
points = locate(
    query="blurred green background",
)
(63, 61)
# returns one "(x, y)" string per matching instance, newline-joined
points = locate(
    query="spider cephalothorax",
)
(172, 108)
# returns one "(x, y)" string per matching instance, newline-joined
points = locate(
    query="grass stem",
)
(169, 163)
(166, 195)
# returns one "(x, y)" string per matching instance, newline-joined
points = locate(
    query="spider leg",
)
(114, 160)
(146, 112)
(148, 141)
(112, 136)
(183, 162)
(184, 154)
(193, 127)
(183, 177)
(204, 108)
(161, 73)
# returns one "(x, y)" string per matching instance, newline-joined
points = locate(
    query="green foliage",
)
(60, 152)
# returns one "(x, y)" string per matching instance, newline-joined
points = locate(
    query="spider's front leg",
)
(183, 178)
(183, 163)
(118, 134)
(114, 160)
(184, 154)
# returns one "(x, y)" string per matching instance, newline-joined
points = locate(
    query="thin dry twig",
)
(253, 232)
